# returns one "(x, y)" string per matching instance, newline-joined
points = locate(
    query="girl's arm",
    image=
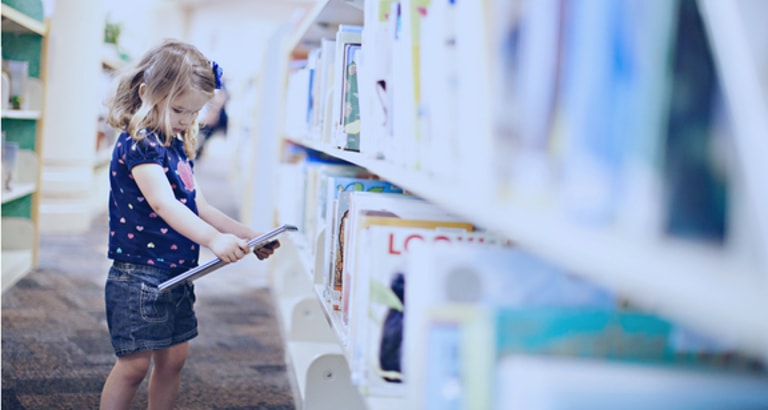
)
(224, 223)
(220, 220)
(155, 187)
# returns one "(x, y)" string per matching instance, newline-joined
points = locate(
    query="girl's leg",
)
(123, 380)
(166, 376)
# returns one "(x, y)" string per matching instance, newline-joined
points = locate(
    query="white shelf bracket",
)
(308, 322)
(329, 386)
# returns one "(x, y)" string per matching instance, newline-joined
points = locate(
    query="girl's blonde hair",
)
(168, 70)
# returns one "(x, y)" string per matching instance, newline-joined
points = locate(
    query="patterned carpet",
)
(56, 352)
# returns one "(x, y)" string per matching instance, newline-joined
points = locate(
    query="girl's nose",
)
(187, 119)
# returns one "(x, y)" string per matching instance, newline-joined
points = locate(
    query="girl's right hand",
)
(229, 248)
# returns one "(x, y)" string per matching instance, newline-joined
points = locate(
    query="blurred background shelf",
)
(22, 114)
(14, 21)
(18, 243)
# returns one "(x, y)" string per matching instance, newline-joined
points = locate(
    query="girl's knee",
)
(169, 361)
(134, 367)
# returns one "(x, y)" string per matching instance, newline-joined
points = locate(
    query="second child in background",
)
(213, 119)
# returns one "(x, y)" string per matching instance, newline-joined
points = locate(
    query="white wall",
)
(145, 22)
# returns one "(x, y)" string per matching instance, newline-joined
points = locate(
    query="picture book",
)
(350, 122)
(319, 191)
(402, 206)
(697, 186)
(524, 60)
(315, 171)
(442, 388)
(347, 36)
(592, 154)
(375, 75)
(642, 95)
(378, 302)
(557, 382)
(333, 187)
(438, 106)
(326, 79)
(552, 330)
(356, 297)
(481, 276)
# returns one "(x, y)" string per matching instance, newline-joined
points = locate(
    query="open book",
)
(216, 263)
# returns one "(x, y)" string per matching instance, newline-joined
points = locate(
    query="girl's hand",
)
(267, 250)
(229, 248)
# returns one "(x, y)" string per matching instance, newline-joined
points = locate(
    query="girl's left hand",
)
(267, 250)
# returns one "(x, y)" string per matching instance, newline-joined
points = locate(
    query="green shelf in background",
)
(21, 207)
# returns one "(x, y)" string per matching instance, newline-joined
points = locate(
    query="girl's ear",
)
(142, 90)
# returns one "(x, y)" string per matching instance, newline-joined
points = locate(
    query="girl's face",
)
(184, 109)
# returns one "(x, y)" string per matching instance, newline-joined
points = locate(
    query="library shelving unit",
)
(715, 289)
(24, 38)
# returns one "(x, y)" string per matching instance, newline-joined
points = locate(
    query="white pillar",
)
(73, 95)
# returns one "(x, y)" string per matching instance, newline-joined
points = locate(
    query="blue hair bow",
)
(217, 71)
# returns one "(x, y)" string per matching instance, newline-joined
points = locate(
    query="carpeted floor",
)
(55, 346)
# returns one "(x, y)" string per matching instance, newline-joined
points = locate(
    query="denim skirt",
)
(140, 316)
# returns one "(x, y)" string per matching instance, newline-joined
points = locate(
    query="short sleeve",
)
(147, 150)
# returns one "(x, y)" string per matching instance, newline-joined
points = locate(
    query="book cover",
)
(358, 296)
(400, 206)
(552, 330)
(438, 112)
(350, 124)
(591, 162)
(645, 30)
(696, 190)
(524, 63)
(474, 275)
(379, 304)
(375, 75)
(315, 170)
(326, 79)
(333, 235)
(346, 36)
(549, 382)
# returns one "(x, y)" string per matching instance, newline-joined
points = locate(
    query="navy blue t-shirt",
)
(137, 233)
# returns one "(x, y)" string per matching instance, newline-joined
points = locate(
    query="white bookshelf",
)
(677, 278)
(718, 290)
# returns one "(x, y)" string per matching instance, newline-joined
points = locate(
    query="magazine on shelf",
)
(216, 263)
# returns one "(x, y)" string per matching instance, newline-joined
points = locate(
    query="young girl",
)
(158, 218)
